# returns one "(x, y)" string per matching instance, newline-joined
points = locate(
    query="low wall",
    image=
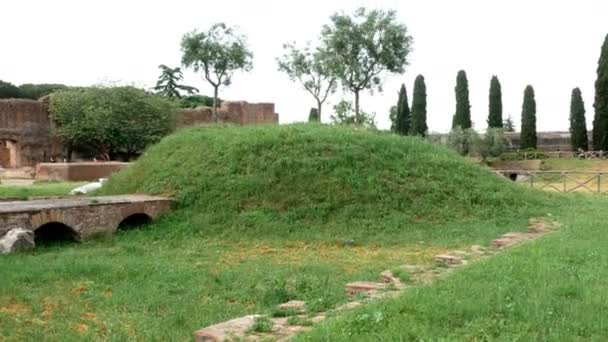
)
(84, 171)
(240, 113)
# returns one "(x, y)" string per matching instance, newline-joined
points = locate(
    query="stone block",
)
(364, 287)
(448, 260)
(226, 331)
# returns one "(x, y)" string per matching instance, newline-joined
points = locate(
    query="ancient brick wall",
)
(81, 171)
(25, 126)
(240, 113)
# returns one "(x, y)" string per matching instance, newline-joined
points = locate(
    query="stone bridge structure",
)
(82, 217)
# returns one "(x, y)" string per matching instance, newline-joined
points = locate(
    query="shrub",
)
(463, 141)
(493, 144)
(111, 121)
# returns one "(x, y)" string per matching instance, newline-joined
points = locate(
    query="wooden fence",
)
(561, 181)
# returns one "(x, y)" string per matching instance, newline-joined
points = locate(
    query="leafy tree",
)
(9, 91)
(462, 117)
(218, 53)
(493, 143)
(36, 91)
(462, 140)
(392, 115)
(600, 120)
(403, 119)
(508, 124)
(419, 126)
(344, 115)
(168, 82)
(578, 125)
(111, 121)
(194, 101)
(311, 70)
(528, 120)
(495, 112)
(362, 47)
(313, 116)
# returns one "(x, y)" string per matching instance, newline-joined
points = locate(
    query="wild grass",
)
(264, 215)
(37, 190)
(549, 290)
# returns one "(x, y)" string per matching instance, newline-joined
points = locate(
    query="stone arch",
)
(134, 220)
(54, 232)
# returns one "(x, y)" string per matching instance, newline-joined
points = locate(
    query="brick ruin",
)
(26, 136)
(240, 113)
(26, 130)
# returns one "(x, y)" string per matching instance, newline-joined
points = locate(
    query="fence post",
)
(564, 177)
(531, 180)
(599, 182)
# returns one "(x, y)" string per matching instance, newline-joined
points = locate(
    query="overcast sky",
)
(553, 45)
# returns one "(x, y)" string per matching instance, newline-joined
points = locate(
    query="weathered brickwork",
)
(80, 171)
(85, 216)
(26, 133)
(240, 113)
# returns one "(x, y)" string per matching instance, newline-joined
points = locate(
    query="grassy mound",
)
(307, 175)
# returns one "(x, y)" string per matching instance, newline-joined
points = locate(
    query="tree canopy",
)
(600, 120)
(311, 70)
(168, 82)
(363, 46)
(462, 117)
(528, 120)
(495, 104)
(111, 121)
(578, 125)
(403, 119)
(218, 53)
(419, 126)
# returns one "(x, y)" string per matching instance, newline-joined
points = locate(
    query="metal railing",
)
(561, 181)
(532, 155)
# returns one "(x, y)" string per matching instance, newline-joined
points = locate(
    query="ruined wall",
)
(80, 171)
(240, 113)
(26, 133)
(546, 141)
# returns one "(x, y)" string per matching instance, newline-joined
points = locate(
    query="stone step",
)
(364, 287)
(448, 260)
(226, 331)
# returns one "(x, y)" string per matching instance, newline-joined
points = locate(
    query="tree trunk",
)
(215, 104)
(319, 106)
(357, 118)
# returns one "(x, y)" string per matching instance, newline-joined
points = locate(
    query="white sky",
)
(553, 45)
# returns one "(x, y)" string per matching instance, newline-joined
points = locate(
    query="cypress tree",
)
(578, 125)
(600, 120)
(495, 110)
(528, 120)
(313, 116)
(419, 126)
(462, 117)
(403, 113)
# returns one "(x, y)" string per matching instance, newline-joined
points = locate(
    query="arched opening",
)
(134, 221)
(513, 176)
(54, 233)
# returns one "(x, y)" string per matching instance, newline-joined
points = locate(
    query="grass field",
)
(40, 189)
(268, 214)
(549, 290)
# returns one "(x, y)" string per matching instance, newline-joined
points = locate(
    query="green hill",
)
(303, 175)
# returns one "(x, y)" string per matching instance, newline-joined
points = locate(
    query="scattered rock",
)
(348, 306)
(387, 277)
(226, 331)
(364, 287)
(502, 243)
(17, 240)
(448, 260)
(293, 305)
(478, 250)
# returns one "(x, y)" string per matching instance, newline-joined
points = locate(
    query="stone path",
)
(362, 292)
